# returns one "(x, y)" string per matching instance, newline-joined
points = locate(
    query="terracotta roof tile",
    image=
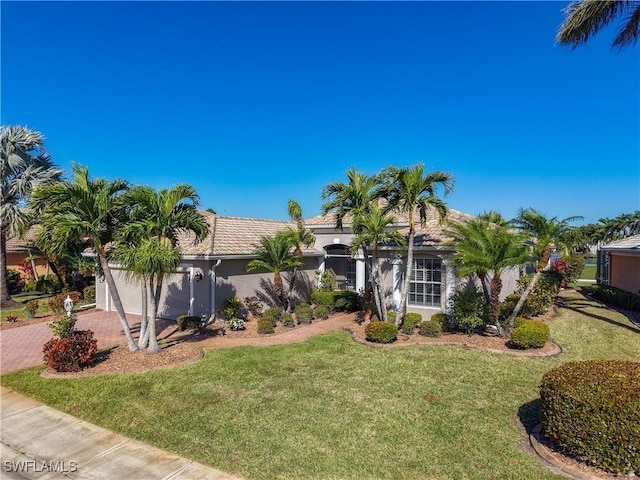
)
(18, 244)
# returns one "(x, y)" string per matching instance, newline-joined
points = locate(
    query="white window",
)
(426, 282)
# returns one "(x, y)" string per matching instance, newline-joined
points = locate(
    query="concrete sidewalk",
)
(39, 442)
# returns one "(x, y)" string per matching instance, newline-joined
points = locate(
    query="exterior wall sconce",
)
(198, 276)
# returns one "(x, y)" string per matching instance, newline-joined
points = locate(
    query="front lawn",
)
(331, 408)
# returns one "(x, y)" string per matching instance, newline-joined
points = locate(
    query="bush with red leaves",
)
(71, 354)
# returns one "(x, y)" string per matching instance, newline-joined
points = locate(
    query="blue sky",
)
(254, 103)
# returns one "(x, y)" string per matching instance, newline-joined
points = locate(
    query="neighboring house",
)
(215, 269)
(619, 264)
(19, 249)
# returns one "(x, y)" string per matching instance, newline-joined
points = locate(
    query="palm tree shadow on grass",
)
(580, 306)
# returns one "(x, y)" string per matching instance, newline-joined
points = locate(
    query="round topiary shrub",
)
(287, 320)
(591, 410)
(272, 314)
(304, 313)
(410, 322)
(321, 311)
(430, 329)
(188, 321)
(442, 319)
(381, 332)
(530, 334)
(265, 326)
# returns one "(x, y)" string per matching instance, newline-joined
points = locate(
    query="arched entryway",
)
(349, 271)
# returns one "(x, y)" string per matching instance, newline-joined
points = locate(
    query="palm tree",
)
(298, 237)
(274, 255)
(487, 249)
(410, 189)
(374, 226)
(84, 209)
(24, 165)
(547, 234)
(352, 198)
(585, 18)
(156, 221)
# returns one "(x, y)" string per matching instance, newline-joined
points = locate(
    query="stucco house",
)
(21, 248)
(619, 264)
(215, 269)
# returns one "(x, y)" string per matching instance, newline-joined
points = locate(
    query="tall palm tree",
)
(84, 209)
(156, 220)
(376, 228)
(352, 198)
(547, 235)
(298, 237)
(24, 165)
(409, 190)
(585, 18)
(487, 249)
(274, 255)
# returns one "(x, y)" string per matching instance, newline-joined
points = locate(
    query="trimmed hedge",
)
(287, 320)
(430, 328)
(189, 321)
(337, 301)
(381, 332)
(529, 334)
(321, 312)
(615, 296)
(591, 410)
(273, 314)
(410, 322)
(304, 313)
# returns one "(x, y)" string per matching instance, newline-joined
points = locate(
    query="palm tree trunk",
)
(153, 347)
(113, 291)
(523, 298)
(407, 277)
(483, 283)
(291, 286)
(494, 304)
(377, 293)
(56, 272)
(6, 302)
(143, 338)
(279, 287)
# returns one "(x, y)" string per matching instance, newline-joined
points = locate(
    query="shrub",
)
(56, 303)
(47, 284)
(304, 313)
(265, 326)
(381, 332)
(71, 354)
(89, 293)
(430, 328)
(530, 334)
(519, 321)
(287, 319)
(323, 298)
(31, 307)
(328, 282)
(232, 306)
(391, 316)
(15, 283)
(11, 318)
(543, 294)
(29, 287)
(468, 303)
(591, 410)
(617, 297)
(410, 322)
(468, 324)
(189, 321)
(64, 325)
(254, 305)
(441, 319)
(273, 314)
(321, 312)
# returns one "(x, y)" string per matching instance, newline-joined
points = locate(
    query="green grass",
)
(589, 272)
(43, 307)
(330, 408)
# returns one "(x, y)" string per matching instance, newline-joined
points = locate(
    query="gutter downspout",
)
(212, 274)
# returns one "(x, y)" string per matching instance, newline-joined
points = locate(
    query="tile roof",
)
(629, 243)
(431, 235)
(18, 244)
(232, 235)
